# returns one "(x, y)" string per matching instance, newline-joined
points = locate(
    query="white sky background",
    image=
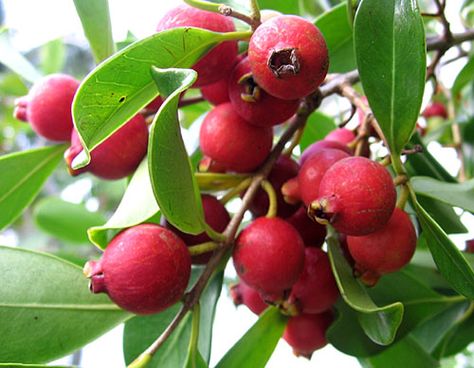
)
(36, 22)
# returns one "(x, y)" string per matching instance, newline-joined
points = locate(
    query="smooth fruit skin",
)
(218, 62)
(144, 269)
(435, 109)
(341, 135)
(217, 92)
(47, 107)
(118, 156)
(356, 196)
(386, 250)
(252, 103)
(232, 142)
(269, 255)
(321, 145)
(241, 293)
(306, 333)
(316, 290)
(312, 232)
(288, 57)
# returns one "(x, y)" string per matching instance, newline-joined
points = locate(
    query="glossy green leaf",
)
(458, 338)
(195, 361)
(171, 174)
(451, 263)
(19, 365)
(465, 76)
(46, 308)
(459, 195)
(283, 6)
(379, 323)
(443, 214)
(138, 204)
(258, 343)
(65, 220)
(53, 56)
(337, 32)
(23, 175)
(119, 87)
(317, 127)
(390, 48)
(95, 19)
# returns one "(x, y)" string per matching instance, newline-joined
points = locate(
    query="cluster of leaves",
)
(414, 317)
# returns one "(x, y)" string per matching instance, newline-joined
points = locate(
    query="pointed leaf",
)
(23, 175)
(464, 77)
(317, 127)
(391, 57)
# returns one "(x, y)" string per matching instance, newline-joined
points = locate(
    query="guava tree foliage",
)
(378, 192)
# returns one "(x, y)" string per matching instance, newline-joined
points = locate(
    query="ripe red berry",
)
(253, 103)
(307, 332)
(316, 290)
(144, 269)
(435, 109)
(288, 57)
(321, 145)
(312, 233)
(207, 164)
(232, 142)
(356, 196)
(269, 255)
(385, 250)
(218, 62)
(341, 135)
(241, 293)
(118, 156)
(47, 107)
(217, 92)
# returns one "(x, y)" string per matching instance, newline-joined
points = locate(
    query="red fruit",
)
(356, 196)
(230, 140)
(312, 233)
(207, 164)
(218, 62)
(341, 135)
(253, 103)
(217, 92)
(269, 255)
(385, 250)
(313, 170)
(288, 57)
(144, 269)
(316, 289)
(241, 293)
(469, 246)
(47, 107)
(284, 169)
(307, 332)
(321, 145)
(216, 217)
(118, 156)
(435, 109)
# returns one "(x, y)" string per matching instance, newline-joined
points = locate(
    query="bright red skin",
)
(284, 169)
(218, 62)
(267, 110)
(231, 141)
(307, 332)
(358, 196)
(341, 135)
(241, 293)
(216, 216)
(289, 32)
(145, 269)
(469, 246)
(313, 170)
(269, 255)
(386, 250)
(312, 233)
(316, 290)
(48, 106)
(435, 109)
(321, 145)
(217, 92)
(118, 156)
(207, 164)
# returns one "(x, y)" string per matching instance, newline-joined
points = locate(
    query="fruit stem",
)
(403, 197)
(214, 235)
(193, 341)
(294, 142)
(142, 361)
(236, 190)
(196, 250)
(272, 199)
(398, 165)
(217, 181)
(255, 13)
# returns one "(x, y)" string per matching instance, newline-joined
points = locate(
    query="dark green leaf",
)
(283, 6)
(464, 77)
(458, 338)
(95, 19)
(444, 215)
(53, 56)
(337, 32)
(391, 58)
(379, 323)
(317, 127)
(46, 308)
(19, 365)
(196, 361)
(23, 176)
(258, 343)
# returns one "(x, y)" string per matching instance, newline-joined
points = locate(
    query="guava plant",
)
(336, 219)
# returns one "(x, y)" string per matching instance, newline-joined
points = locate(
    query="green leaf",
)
(53, 56)
(95, 19)
(196, 361)
(46, 309)
(317, 127)
(138, 205)
(171, 174)
(444, 215)
(283, 6)
(23, 175)
(337, 32)
(19, 365)
(258, 343)
(459, 195)
(12, 59)
(451, 263)
(379, 323)
(119, 87)
(391, 57)
(65, 220)
(464, 77)
(458, 338)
